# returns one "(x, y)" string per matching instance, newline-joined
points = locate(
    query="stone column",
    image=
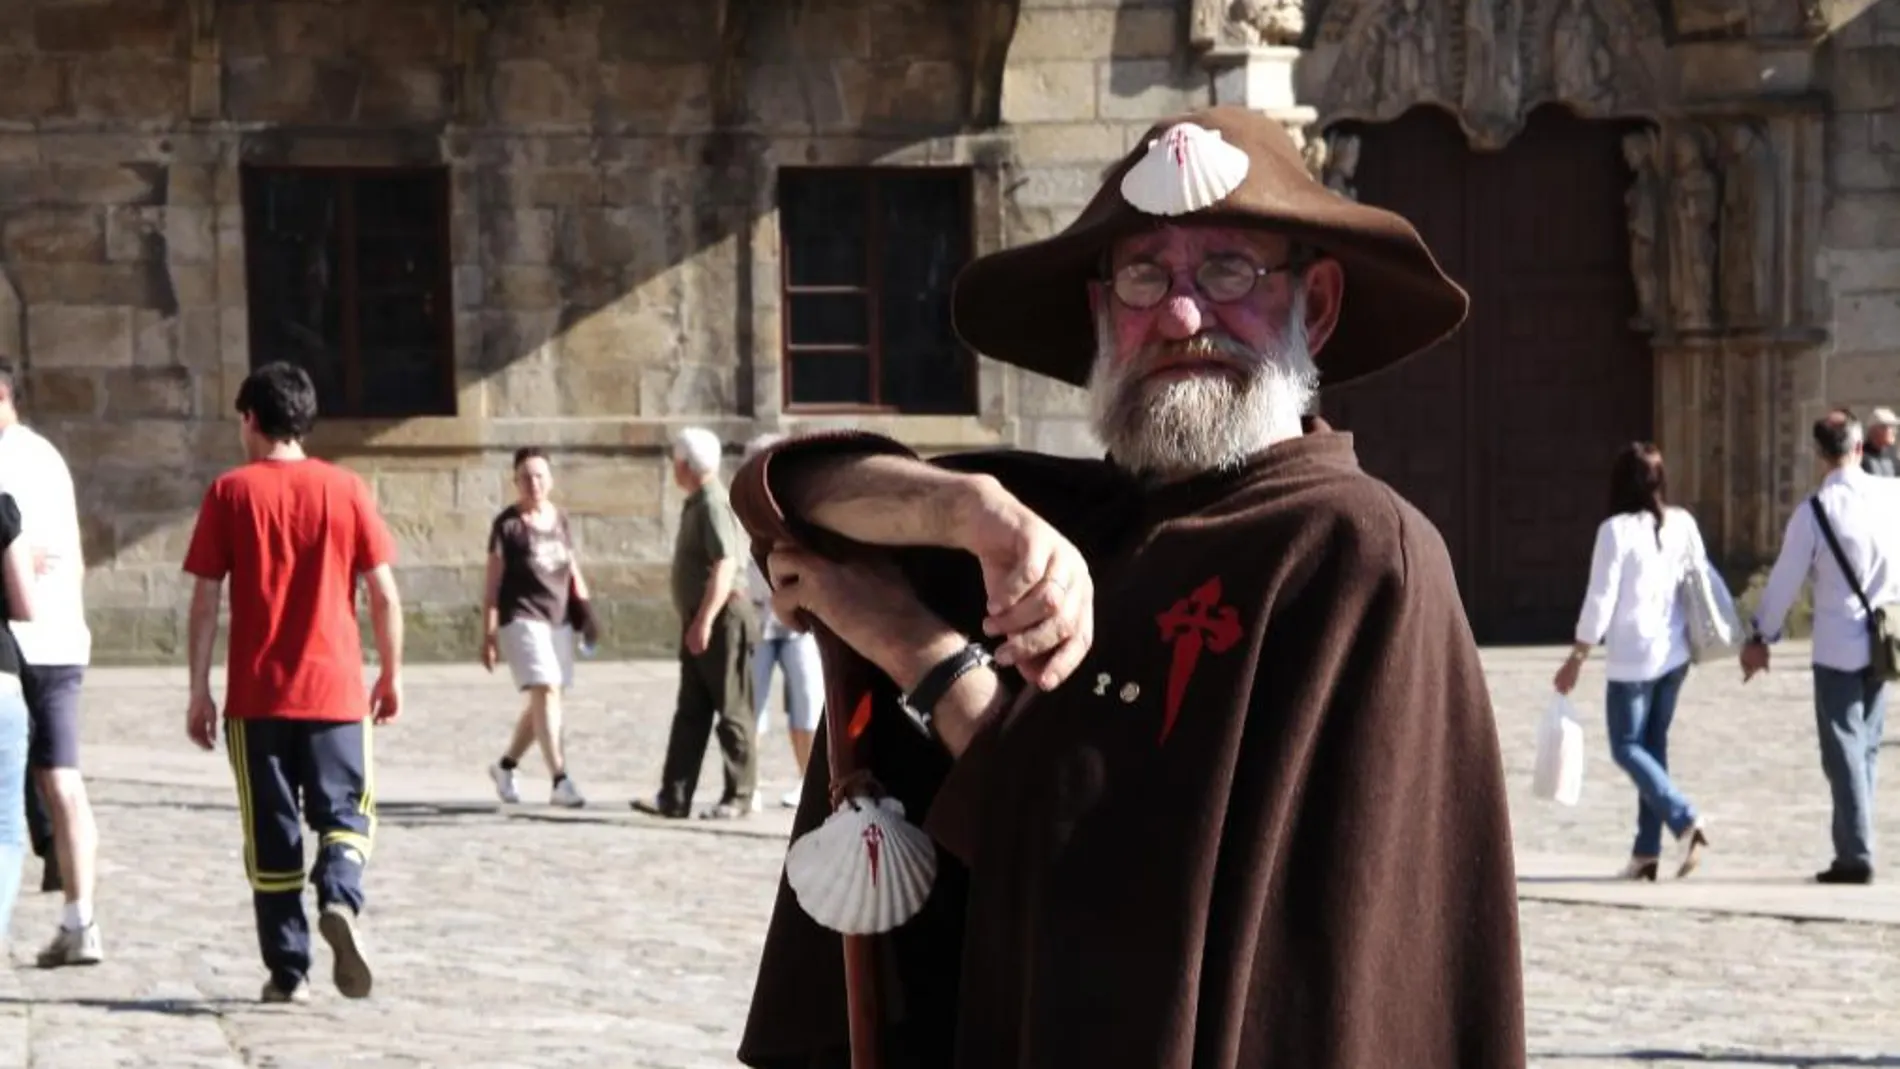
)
(1260, 77)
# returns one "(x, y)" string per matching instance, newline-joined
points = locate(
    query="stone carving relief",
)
(1705, 19)
(1493, 90)
(1696, 196)
(1392, 61)
(1341, 160)
(1494, 61)
(1645, 201)
(1249, 23)
(1749, 206)
(1267, 22)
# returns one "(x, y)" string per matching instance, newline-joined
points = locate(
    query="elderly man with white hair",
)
(719, 632)
(1199, 726)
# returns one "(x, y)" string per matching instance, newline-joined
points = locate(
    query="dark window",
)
(869, 256)
(348, 275)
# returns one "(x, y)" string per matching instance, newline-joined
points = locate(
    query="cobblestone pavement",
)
(528, 937)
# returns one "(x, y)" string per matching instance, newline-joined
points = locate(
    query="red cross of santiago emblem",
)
(1196, 622)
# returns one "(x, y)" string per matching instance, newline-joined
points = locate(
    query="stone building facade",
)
(580, 223)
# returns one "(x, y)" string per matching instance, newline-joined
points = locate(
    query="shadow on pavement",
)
(170, 1007)
(1725, 1057)
(412, 814)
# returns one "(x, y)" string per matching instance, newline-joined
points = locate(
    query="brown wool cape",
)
(1262, 826)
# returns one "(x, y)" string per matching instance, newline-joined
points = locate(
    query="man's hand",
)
(385, 698)
(491, 651)
(1040, 595)
(1754, 659)
(201, 721)
(869, 605)
(698, 636)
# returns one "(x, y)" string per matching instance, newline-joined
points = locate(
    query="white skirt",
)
(538, 653)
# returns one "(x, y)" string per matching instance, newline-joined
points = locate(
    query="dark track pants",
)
(290, 772)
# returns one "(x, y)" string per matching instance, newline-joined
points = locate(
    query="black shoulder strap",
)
(1840, 557)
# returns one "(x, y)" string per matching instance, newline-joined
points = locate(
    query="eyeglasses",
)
(1221, 279)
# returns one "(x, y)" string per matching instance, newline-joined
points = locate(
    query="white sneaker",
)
(790, 798)
(504, 783)
(73, 946)
(758, 802)
(566, 795)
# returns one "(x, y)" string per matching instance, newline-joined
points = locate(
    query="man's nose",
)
(1179, 317)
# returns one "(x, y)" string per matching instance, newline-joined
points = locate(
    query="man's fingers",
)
(1031, 644)
(1037, 604)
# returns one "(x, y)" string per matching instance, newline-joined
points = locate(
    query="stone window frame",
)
(971, 180)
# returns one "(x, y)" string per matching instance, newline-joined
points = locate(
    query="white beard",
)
(1208, 422)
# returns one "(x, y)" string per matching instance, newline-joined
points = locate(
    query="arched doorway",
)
(1503, 435)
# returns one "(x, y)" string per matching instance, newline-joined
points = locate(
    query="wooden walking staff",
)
(849, 680)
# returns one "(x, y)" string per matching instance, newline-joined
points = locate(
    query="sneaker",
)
(653, 808)
(504, 783)
(338, 927)
(758, 802)
(732, 810)
(791, 798)
(74, 946)
(566, 795)
(299, 994)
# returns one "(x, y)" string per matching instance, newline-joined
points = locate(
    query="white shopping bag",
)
(1559, 774)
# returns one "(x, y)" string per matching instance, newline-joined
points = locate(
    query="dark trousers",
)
(290, 772)
(715, 695)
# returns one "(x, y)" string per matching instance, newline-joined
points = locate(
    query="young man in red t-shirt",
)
(292, 534)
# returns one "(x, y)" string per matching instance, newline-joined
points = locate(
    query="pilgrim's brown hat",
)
(1029, 305)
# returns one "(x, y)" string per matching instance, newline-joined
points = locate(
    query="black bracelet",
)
(923, 699)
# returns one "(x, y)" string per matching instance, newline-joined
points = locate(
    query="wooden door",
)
(1503, 435)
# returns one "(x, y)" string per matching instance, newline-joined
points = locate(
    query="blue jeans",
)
(13, 727)
(1638, 716)
(1850, 713)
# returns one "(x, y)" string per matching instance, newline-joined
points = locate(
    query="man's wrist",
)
(969, 504)
(907, 662)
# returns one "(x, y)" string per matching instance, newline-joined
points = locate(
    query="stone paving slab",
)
(1719, 887)
(524, 936)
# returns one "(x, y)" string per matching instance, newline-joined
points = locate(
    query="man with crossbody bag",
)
(1843, 537)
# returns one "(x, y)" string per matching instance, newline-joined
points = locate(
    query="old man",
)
(1200, 728)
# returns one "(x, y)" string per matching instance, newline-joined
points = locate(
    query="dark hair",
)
(281, 398)
(527, 453)
(1638, 483)
(1837, 433)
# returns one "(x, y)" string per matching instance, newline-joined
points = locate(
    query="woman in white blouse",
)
(1633, 610)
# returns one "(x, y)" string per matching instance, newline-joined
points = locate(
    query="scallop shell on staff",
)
(865, 870)
(1186, 169)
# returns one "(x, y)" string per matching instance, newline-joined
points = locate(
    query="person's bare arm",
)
(491, 596)
(20, 572)
(580, 581)
(385, 617)
(202, 633)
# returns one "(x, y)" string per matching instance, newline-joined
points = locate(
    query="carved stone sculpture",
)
(1409, 64)
(1748, 201)
(1342, 159)
(1267, 22)
(1583, 66)
(1493, 89)
(1313, 149)
(1644, 201)
(1697, 199)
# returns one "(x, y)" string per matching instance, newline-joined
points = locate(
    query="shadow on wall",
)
(608, 239)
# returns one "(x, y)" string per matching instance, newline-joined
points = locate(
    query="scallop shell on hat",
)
(865, 870)
(1186, 169)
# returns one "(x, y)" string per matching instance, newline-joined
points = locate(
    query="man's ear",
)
(1325, 292)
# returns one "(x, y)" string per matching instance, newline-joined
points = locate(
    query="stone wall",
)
(613, 239)
(1861, 262)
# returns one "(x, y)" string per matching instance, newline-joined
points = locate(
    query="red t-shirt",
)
(292, 536)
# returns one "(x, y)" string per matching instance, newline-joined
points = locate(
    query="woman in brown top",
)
(534, 592)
